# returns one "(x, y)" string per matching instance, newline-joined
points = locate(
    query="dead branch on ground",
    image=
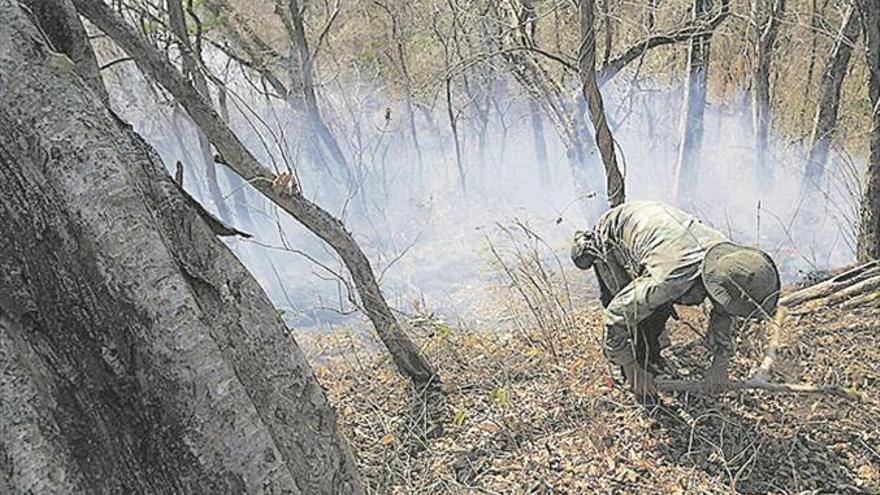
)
(759, 379)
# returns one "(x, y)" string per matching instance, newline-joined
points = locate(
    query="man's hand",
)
(641, 381)
(716, 376)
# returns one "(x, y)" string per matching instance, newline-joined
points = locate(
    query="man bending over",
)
(648, 256)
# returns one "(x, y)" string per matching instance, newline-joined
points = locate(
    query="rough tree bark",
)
(137, 355)
(60, 23)
(406, 354)
(829, 101)
(765, 38)
(869, 230)
(686, 170)
(614, 187)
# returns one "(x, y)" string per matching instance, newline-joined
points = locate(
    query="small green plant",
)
(500, 395)
(460, 415)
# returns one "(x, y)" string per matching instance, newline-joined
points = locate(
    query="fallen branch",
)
(759, 377)
(750, 384)
(845, 280)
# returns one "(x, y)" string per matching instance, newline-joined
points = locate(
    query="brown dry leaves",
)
(520, 420)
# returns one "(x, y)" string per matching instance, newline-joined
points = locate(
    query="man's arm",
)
(720, 336)
(605, 295)
(720, 341)
(637, 301)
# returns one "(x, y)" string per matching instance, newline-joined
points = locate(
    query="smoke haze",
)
(427, 239)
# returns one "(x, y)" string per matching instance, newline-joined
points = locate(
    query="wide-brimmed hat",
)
(743, 280)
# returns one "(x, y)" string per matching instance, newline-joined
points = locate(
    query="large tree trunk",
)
(614, 186)
(687, 168)
(137, 355)
(765, 38)
(404, 351)
(58, 20)
(869, 230)
(829, 101)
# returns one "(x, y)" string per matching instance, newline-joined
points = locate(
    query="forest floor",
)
(541, 413)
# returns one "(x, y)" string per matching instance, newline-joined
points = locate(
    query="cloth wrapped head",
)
(583, 249)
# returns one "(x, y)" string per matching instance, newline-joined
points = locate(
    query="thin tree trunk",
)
(408, 96)
(405, 353)
(239, 192)
(528, 26)
(453, 125)
(687, 171)
(540, 142)
(307, 72)
(815, 18)
(869, 230)
(765, 38)
(614, 186)
(191, 70)
(137, 355)
(829, 101)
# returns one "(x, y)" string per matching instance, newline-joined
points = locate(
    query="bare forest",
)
(325, 246)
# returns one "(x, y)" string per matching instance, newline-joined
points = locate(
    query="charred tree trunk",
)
(829, 101)
(869, 230)
(405, 353)
(540, 142)
(614, 186)
(764, 40)
(687, 171)
(296, 28)
(191, 70)
(137, 355)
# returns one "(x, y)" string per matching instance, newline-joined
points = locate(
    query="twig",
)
(753, 383)
(759, 378)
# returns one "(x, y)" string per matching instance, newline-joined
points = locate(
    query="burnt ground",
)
(540, 412)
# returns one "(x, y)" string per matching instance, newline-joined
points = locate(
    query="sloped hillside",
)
(539, 412)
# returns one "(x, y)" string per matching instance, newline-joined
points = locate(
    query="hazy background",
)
(428, 240)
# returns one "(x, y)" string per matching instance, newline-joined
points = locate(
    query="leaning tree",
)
(137, 355)
(286, 193)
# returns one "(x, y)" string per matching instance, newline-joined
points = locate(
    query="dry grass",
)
(522, 421)
(532, 406)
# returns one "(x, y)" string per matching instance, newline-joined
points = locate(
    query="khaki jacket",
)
(649, 254)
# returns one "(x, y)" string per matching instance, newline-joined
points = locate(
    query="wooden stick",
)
(702, 387)
(759, 377)
(832, 285)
